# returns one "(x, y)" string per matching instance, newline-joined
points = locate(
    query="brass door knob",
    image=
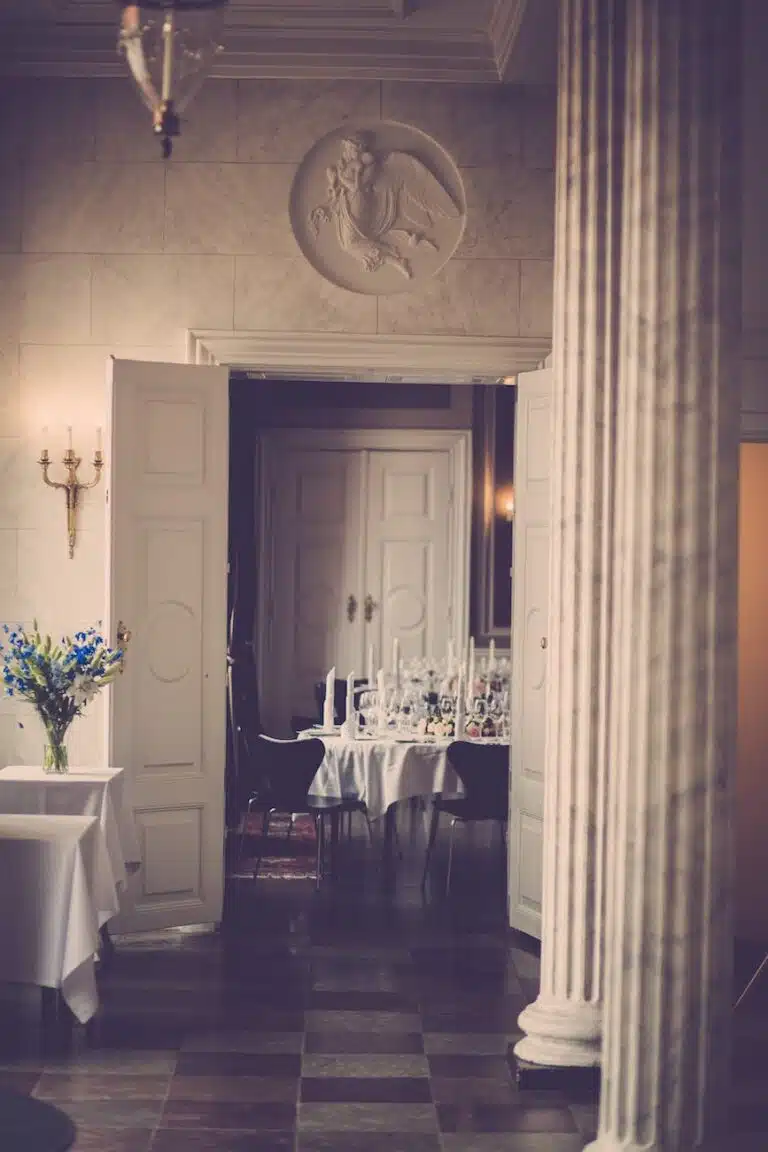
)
(351, 607)
(369, 606)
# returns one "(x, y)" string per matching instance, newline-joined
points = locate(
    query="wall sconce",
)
(505, 503)
(72, 487)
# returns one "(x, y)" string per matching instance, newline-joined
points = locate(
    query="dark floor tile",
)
(368, 1142)
(263, 1117)
(242, 1040)
(221, 1140)
(128, 1032)
(112, 1140)
(513, 1142)
(466, 1044)
(473, 1090)
(362, 1021)
(93, 1086)
(245, 1089)
(366, 1090)
(360, 1000)
(503, 1118)
(454, 1066)
(447, 1020)
(385, 1043)
(274, 1064)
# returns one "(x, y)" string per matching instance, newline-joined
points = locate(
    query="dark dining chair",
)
(484, 773)
(277, 776)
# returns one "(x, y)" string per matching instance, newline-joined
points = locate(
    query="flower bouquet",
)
(58, 679)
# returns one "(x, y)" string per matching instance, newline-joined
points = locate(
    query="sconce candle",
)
(71, 486)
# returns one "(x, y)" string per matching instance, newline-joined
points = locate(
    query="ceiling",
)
(449, 41)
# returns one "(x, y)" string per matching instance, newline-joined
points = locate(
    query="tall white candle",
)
(328, 708)
(471, 669)
(382, 699)
(69, 437)
(460, 705)
(98, 439)
(369, 675)
(491, 657)
(350, 708)
(396, 661)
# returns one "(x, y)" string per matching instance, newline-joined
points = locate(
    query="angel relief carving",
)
(382, 204)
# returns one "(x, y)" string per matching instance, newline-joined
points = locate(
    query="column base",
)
(582, 1083)
(560, 1034)
(611, 1143)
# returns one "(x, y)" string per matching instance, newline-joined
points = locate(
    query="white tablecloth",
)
(48, 905)
(382, 772)
(100, 793)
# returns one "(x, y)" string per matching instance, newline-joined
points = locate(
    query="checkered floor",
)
(356, 1018)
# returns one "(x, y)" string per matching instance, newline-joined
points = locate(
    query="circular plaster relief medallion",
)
(377, 207)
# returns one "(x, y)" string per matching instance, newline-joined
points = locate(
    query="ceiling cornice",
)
(294, 39)
(503, 30)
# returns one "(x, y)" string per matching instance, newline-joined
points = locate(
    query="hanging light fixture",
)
(169, 46)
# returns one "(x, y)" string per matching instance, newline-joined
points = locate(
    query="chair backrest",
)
(339, 697)
(285, 770)
(484, 771)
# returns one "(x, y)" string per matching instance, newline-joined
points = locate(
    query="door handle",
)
(123, 640)
(351, 607)
(369, 606)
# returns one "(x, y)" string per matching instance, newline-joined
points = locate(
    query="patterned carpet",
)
(284, 857)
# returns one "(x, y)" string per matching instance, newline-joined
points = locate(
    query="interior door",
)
(530, 604)
(408, 569)
(167, 461)
(312, 553)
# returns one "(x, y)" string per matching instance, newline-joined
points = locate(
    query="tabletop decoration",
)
(59, 679)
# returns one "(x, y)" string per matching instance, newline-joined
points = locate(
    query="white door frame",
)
(457, 443)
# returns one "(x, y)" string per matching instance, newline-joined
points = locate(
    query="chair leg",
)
(319, 837)
(430, 842)
(243, 831)
(262, 839)
(368, 824)
(450, 857)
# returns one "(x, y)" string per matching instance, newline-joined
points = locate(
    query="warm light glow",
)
(505, 503)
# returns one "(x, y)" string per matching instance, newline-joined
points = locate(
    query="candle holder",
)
(72, 487)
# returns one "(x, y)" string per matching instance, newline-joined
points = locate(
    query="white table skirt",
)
(100, 793)
(383, 772)
(48, 905)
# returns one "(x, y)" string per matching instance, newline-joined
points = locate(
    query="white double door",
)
(364, 541)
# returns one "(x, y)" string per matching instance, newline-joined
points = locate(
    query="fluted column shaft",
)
(563, 1025)
(668, 933)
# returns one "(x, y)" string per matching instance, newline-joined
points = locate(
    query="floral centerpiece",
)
(58, 679)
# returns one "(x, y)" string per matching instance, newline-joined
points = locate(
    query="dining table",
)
(49, 905)
(384, 770)
(101, 793)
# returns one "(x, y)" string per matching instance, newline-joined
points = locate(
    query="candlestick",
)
(98, 440)
(350, 704)
(69, 438)
(369, 675)
(329, 711)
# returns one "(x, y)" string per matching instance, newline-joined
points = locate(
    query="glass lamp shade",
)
(169, 46)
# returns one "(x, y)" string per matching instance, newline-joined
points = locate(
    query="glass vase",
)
(55, 757)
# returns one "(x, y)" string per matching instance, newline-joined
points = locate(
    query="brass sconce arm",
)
(72, 487)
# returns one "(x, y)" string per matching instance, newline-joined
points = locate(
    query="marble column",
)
(563, 1025)
(665, 1066)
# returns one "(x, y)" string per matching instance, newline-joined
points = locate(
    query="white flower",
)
(82, 690)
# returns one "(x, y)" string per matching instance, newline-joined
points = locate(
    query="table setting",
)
(392, 745)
